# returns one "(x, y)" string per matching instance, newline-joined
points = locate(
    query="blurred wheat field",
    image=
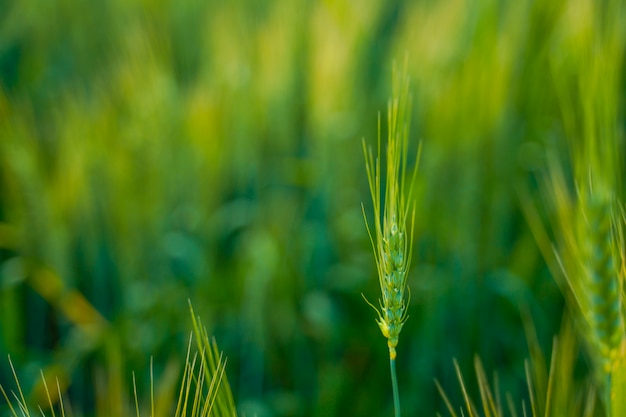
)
(153, 152)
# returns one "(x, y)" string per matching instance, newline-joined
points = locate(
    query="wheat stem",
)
(394, 384)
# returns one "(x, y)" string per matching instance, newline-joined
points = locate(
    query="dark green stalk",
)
(394, 384)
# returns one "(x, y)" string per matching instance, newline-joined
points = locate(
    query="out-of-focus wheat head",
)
(584, 242)
(601, 302)
(587, 251)
(392, 236)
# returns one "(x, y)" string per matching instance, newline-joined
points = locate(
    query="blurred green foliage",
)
(155, 151)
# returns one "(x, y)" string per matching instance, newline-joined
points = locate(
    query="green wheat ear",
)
(602, 302)
(587, 261)
(392, 237)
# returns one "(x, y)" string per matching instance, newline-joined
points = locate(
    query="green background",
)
(153, 152)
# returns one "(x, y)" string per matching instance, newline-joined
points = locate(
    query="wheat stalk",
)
(392, 237)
